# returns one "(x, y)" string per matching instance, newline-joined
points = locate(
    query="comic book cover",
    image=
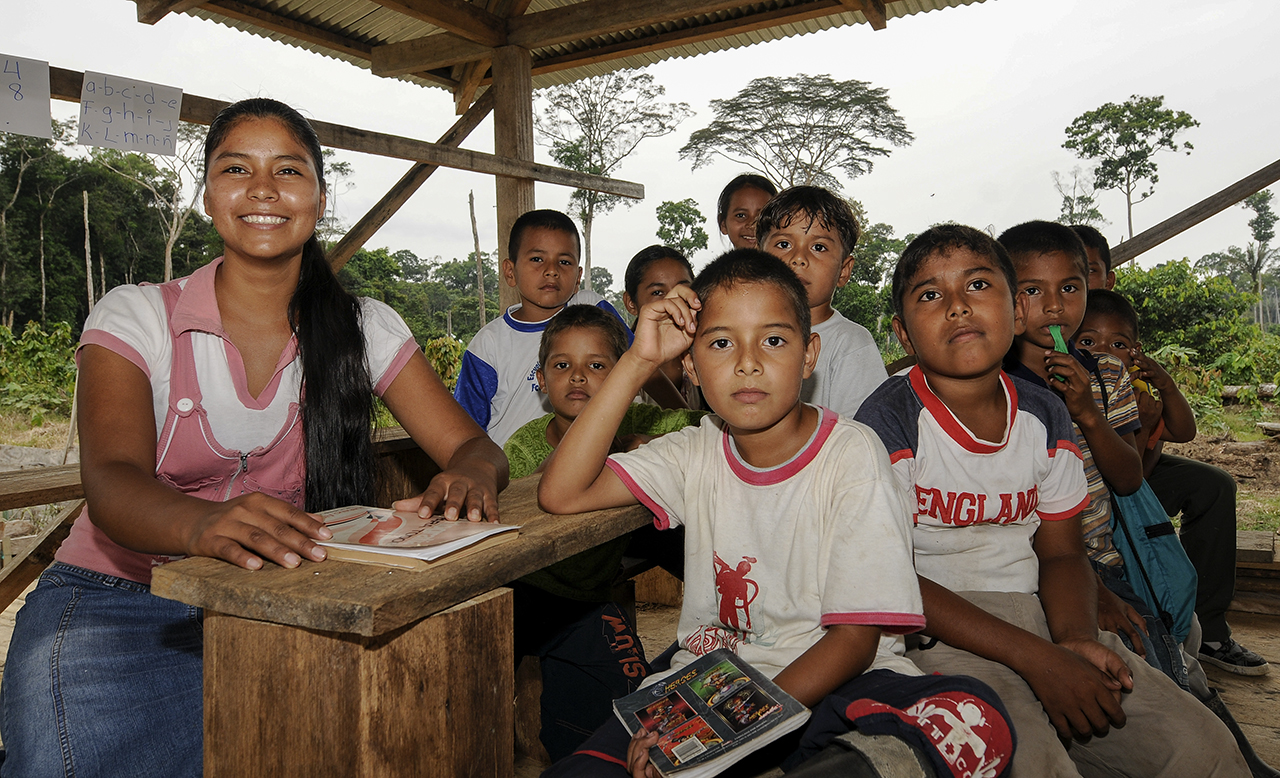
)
(710, 714)
(404, 533)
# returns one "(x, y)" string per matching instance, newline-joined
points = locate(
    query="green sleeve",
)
(645, 419)
(528, 447)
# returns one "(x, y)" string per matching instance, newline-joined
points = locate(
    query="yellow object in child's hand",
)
(1138, 383)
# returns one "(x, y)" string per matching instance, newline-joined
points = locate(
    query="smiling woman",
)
(198, 439)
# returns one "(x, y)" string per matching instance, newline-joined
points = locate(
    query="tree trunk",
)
(42, 280)
(88, 256)
(475, 238)
(588, 217)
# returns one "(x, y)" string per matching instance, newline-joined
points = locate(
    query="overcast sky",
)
(986, 89)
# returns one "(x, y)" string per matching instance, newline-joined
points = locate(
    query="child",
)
(652, 273)
(814, 232)
(739, 205)
(998, 486)
(497, 384)
(1101, 276)
(776, 496)
(564, 615)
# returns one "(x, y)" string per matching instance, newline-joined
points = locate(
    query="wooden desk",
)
(357, 670)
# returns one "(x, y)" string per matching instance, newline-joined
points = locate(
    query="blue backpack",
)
(1155, 563)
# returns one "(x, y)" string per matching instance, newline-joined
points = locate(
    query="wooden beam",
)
(512, 137)
(152, 11)
(399, 194)
(457, 16)
(426, 53)
(19, 572)
(470, 74)
(1188, 218)
(873, 10)
(65, 85)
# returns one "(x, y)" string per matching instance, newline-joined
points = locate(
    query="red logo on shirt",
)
(964, 508)
(736, 591)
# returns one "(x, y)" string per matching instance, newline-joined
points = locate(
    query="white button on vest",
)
(185, 404)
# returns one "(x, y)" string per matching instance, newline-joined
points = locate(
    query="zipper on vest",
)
(231, 484)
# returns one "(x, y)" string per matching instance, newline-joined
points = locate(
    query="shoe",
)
(1234, 658)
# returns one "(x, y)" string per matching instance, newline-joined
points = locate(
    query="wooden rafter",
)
(600, 17)
(457, 16)
(438, 51)
(152, 11)
(470, 74)
(872, 9)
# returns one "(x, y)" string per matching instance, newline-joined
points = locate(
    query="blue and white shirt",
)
(498, 382)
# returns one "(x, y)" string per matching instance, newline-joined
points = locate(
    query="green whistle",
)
(1059, 345)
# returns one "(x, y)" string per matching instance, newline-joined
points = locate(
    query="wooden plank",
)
(425, 53)
(1255, 546)
(512, 137)
(18, 573)
(873, 10)
(39, 486)
(1189, 217)
(470, 74)
(340, 597)
(434, 698)
(152, 11)
(456, 16)
(65, 85)
(399, 194)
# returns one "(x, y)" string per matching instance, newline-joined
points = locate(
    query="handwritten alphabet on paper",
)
(24, 97)
(129, 115)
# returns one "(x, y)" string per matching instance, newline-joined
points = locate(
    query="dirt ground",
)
(1255, 465)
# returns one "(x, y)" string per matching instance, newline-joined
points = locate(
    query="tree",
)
(601, 279)
(336, 173)
(593, 124)
(1123, 139)
(801, 129)
(18, 155)
(1079, 206)
(680, 226)
(1179, 305)
(1255, 259)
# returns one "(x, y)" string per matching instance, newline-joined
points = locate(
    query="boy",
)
(497, 384)
(564, 613)
(778, 498)
(1101, 276)
(998, 486)
(814, 232)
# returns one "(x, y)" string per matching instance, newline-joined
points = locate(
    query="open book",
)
(710, 714)
(380, 535)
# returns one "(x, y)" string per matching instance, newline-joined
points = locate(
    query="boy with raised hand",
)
(814, 232)
(998, 486)
(790, 498)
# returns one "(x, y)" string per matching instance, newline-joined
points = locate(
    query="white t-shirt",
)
(977, 504)
(774, 556)
(849, 367)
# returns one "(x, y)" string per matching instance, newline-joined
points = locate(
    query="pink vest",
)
(190, 460)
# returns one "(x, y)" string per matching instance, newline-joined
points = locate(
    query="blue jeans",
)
(1162, 652)
(102, 679)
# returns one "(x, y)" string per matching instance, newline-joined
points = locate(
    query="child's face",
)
(545, 271)
(1099, 277)
(740, 223)
(959, 316)
(815, 253)
(579, 360)
(749, 355)
(1107, 334)
(1057, 292)
(659, 278)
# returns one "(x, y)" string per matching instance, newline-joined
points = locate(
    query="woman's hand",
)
(468, 491)
(249, 528)
(638, 765)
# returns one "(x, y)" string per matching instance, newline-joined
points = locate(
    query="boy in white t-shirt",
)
(998, 485)
(797, 548)
(814, 232)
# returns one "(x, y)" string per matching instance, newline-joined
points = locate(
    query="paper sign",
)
(24, 97)
(129, 115)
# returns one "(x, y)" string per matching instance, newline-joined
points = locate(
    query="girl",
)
(651, 274)
(213, 410)
(740, 203)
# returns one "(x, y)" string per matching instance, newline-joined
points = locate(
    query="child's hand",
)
(1149, 410)
(665, 327)
(1151, 371)
(638, 755)
(1075, 389)
(1116, 615)
(254, 526)
(1080, 699)
(458, 493)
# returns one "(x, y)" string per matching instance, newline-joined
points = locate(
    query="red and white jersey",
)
(773, 556)
(976, 503)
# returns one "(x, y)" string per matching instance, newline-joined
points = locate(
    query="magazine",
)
(709, 714)
(379, 535)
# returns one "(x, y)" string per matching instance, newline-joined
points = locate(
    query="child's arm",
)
(576, 478)
(843, 653)
(1116, 456)
(1179, 421)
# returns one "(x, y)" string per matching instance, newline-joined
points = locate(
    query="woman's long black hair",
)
(337, 391)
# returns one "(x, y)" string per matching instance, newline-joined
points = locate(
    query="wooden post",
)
(512, 137)
(475, 238)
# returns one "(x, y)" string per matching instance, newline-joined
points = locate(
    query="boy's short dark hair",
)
(584, 317)
(545, 218)
(1104, 302)
(739, 182)
(641, 262)
(815, 204)
(1041, 237)
(941, 239)
(753, 266)
(1093, 239)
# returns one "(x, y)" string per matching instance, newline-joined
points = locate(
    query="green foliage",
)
(37, 370)
(801, 129)
(445, 356)
(1177, 305)
(1123, 139)
(1079, 205)
(1201, 386)
(680, 226)
(1263, 224)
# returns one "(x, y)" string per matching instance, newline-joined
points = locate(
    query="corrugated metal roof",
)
(360, 25)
